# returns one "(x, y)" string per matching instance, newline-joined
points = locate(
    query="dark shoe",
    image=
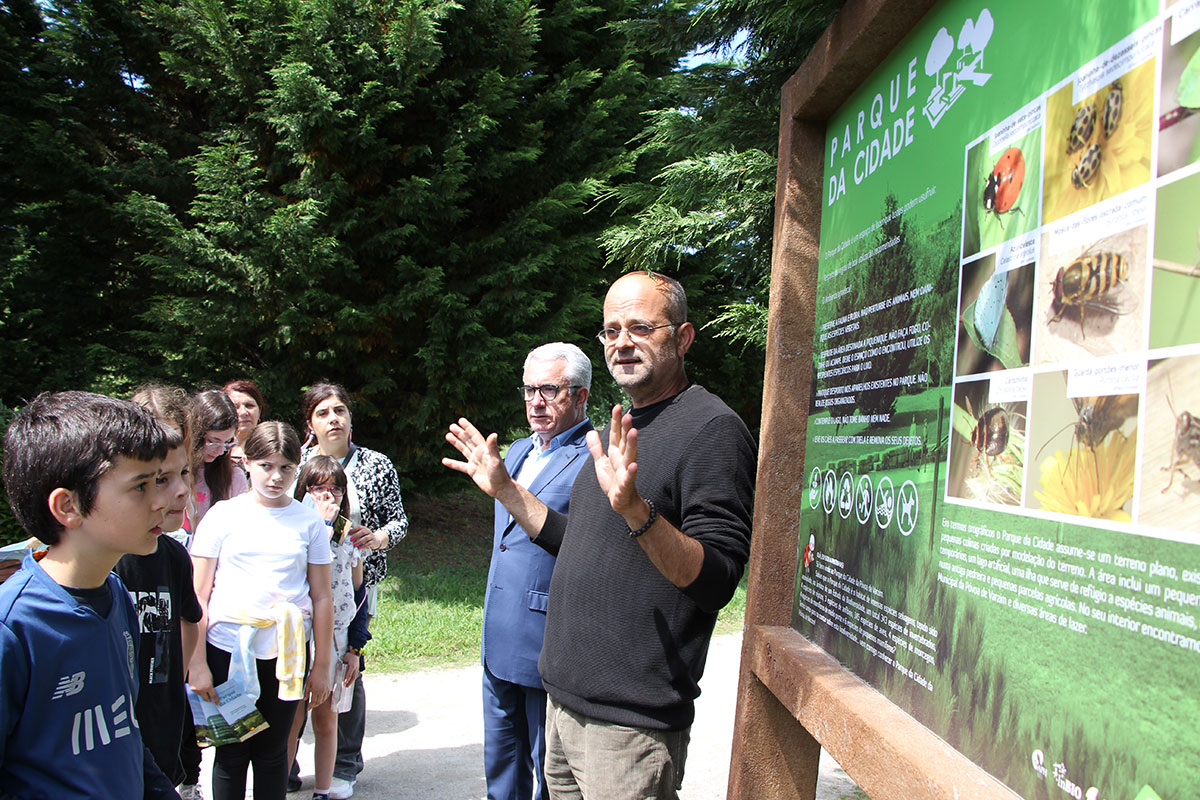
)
(293, 784)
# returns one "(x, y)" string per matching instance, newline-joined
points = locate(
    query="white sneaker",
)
(341, 789)
(190, 791)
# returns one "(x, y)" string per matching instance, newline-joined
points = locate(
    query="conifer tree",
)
(397, 196)
(78, 131)
(708, 211)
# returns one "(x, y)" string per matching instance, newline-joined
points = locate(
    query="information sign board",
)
(1001, 524)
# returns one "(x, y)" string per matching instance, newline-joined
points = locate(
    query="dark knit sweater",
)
(623, 644)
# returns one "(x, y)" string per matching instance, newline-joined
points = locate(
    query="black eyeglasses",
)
(548, 391)
(637, 333)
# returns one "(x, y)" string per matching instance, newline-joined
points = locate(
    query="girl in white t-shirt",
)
(324, 481)
(258, 557)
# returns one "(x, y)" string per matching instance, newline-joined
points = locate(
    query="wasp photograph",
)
(1175, 293)
(1090, 298)
(994, 318)
(1084, 451)
(1170, 494)
(1002, 192)
(1100, 146)
(987, 450)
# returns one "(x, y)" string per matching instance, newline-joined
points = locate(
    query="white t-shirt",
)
(262, 559)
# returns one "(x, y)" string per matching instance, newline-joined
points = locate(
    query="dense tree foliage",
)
(402, 196)
(75, 136)
(392, 195)
(708, 210)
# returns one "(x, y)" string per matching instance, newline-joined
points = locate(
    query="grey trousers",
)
(352, 725)
(587, 759)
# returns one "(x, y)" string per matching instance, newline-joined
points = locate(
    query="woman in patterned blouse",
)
(377, 514)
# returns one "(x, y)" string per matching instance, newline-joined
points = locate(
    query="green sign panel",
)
(1001, 523)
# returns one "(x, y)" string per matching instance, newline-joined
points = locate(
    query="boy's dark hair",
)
(270, 438)
(69, 440)
(320, 470)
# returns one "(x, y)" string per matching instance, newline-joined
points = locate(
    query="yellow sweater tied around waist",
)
(290, 643)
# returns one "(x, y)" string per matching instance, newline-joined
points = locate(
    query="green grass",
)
(431, 603)
(731, 617)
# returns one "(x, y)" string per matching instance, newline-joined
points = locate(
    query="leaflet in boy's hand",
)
(236, 719)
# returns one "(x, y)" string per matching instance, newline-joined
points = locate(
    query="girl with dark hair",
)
(379, 523)
(261, 560)
(248, 401)
(215, 422)
(323, 484)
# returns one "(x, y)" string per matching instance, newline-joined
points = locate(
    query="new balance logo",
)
(68, 685)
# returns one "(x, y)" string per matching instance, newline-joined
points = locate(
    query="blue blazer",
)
(514, 608)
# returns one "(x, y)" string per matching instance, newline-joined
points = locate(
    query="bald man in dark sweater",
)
(655, 543)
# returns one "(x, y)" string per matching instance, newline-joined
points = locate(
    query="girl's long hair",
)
(170, 405)
(213, 411)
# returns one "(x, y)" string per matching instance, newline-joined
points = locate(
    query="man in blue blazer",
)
(557, 379)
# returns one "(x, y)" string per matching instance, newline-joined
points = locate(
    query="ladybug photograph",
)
(1002, 194)
(1097, 144)
(1004, 184)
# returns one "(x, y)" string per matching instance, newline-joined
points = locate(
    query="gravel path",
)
(425, 737)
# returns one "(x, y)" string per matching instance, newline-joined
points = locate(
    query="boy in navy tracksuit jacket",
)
(83, 474)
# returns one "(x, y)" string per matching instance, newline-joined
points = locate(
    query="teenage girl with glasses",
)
(212, 467)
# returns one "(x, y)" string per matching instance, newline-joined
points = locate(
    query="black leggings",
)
(266, 750)
(189, 751)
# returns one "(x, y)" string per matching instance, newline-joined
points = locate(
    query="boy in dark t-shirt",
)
(164, 600)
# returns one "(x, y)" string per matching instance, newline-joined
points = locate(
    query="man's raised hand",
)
(482, 461)
(616, 468)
